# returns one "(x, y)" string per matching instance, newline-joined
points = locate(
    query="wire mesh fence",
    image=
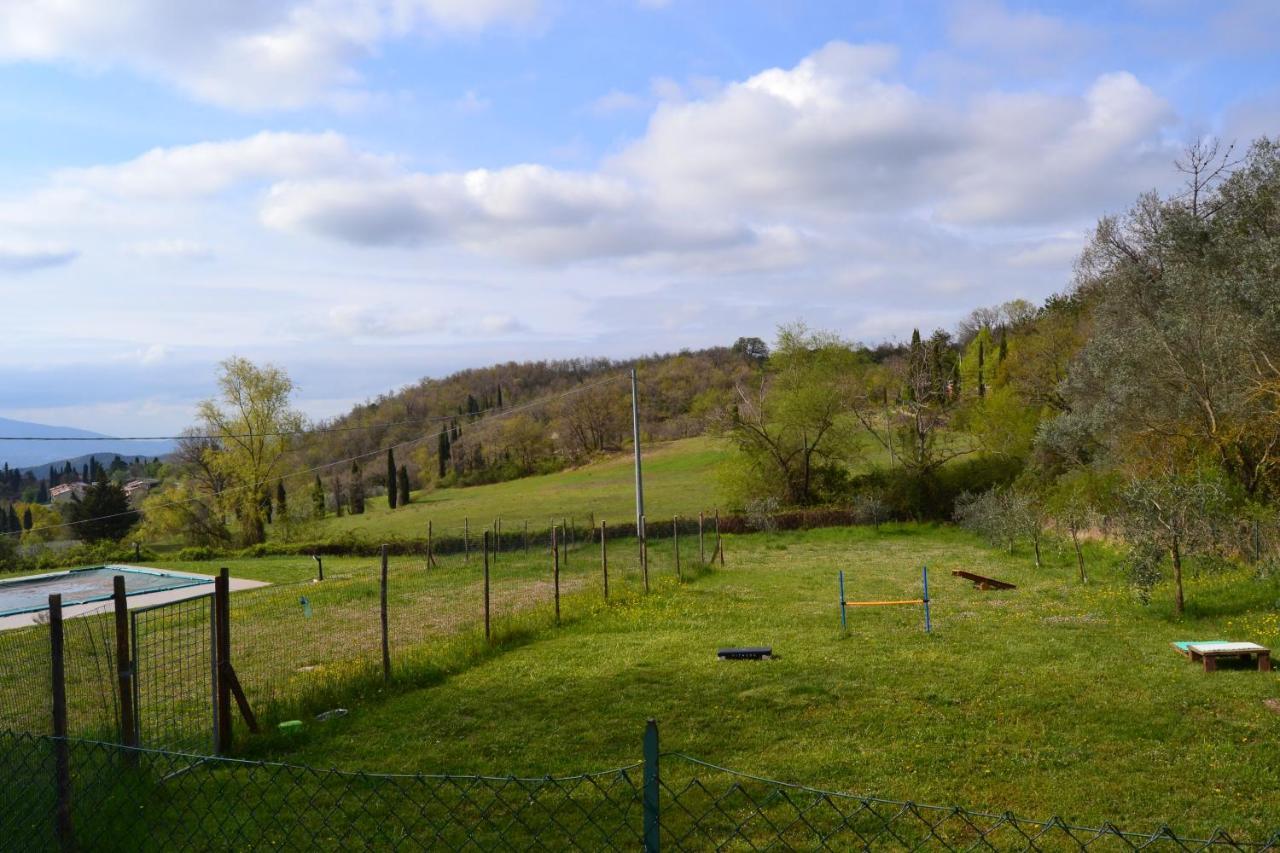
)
(112, 797)
(173, 674)
(309, 646)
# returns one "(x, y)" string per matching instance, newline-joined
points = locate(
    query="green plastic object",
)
(290, 727)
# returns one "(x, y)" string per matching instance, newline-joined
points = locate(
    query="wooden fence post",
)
(719, 540)
(564, 525)
(386, 634)
(555, 571)
(702, 548)
(61, 749)
(526, 536)
(675, 544)
(431, 560)
(604, 559)
(124, 667)
(486, 586)
(466, 539)
(643, 533)
(222, 653)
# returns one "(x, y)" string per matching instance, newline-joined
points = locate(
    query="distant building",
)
(136, 490)
(67, 491)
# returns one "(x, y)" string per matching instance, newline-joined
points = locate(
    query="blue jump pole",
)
(928, 627)
(843, 626)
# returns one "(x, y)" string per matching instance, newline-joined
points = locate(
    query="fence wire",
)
(141, 799)
(173, 666)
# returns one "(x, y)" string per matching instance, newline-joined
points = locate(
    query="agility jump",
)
(924, 600)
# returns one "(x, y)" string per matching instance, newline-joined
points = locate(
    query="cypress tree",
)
(42, 496)
(1004, 346)
(14, 524)
(499, 396)
(337, 496)
(281, 499)
(356, 490)
(317, 498)
(391, 479)
(26, 519)
(403, 484)
(442, 451)
(982, 387)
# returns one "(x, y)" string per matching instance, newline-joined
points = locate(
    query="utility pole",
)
(635, 438)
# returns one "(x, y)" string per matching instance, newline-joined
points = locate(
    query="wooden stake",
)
(386, 635)
(675, 543)
(604, 559)
(486, 586)
(555, 571)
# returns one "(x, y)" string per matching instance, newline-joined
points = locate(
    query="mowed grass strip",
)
(1052, 699)
(680, 479)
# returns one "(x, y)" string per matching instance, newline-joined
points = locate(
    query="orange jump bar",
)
(879, 603)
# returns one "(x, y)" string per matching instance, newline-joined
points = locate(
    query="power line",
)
(222, 437)
(327, 465)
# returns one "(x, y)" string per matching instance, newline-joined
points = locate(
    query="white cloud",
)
(1029, 38)
(617, 101)
(175, 249)
(244, 54)
(21, 256)
(529, 212)
(210, 167)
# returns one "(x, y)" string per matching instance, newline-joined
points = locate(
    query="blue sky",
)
(369, 191)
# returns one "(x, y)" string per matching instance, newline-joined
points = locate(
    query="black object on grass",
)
(746, 653)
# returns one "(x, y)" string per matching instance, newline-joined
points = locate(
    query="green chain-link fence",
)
(109, 797)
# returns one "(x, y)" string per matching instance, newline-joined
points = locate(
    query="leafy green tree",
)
(792, 426)
(103, 512)
(254, 425)
(1174, 515)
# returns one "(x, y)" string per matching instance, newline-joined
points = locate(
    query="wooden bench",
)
(1209, 653)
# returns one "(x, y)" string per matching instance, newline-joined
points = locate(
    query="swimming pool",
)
(84, 586)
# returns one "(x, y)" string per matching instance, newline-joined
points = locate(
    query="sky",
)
(367, 192)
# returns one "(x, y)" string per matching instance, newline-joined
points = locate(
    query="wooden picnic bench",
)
(1209, 653)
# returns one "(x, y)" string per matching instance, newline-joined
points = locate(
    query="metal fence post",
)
(124, 665)
(386, 636)
(652, 822)
(61, 750)
(604, 559)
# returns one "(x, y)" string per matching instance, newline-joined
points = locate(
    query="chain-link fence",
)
(109, 797)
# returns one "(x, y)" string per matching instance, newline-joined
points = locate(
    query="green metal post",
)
(652, 824)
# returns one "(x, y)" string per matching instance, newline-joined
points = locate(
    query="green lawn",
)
(1054, 699)
(680, 478)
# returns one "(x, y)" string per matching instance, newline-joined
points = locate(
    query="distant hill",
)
(39, 454)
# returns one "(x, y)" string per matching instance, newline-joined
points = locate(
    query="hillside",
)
(679, 478)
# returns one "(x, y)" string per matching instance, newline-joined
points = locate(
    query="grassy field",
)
(680, 478)
(1053, 699)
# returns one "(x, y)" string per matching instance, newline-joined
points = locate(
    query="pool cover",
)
(83, 586)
